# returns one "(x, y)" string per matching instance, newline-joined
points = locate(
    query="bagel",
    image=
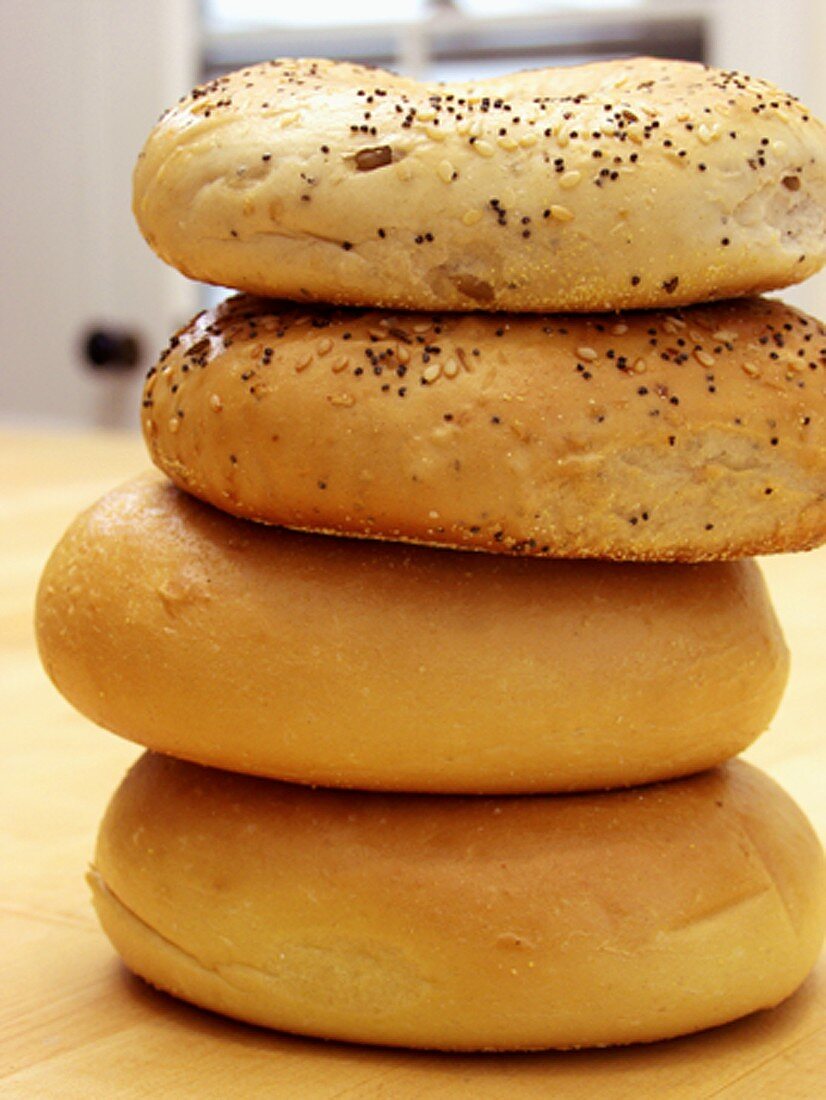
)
(372, 665)
(616, 185)
(691, 435)
(462, 923)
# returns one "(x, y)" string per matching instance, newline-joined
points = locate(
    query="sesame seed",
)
(215, 403)
(703, 358)
(341, 364)
(324, 345)
(708, 134)
(471, 217)
(751, 370)
(561, 213)
(450, 368)
(303, 363)
(446, 172)
(432, 373)
(484, 148)
(342, 400)
(587, 353)
(569, 179)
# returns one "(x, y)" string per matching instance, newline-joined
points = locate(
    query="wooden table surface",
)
(73, 1023)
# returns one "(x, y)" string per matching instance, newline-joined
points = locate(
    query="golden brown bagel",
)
(691, 435)
(462, 923)
(617, 185)
(358, 664)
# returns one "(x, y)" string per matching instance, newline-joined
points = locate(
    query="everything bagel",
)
(690, 435)
(616, 185)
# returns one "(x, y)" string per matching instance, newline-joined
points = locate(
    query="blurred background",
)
(86, 305)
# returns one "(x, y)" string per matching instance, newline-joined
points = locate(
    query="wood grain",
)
(73, 1024)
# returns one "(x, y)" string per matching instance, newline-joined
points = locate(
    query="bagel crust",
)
(691, 435)
(365, 664)
(616, 185)
(462, 923)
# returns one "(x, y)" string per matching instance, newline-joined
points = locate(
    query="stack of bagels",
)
(400, 791)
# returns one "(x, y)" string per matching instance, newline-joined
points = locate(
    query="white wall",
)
(783, 41)
(83, 82)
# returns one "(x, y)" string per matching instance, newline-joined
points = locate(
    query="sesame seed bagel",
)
(691, 435)
(462, 923)
(618, 185)
(366, 664)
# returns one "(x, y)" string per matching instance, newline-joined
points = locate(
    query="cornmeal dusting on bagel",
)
(615, 185)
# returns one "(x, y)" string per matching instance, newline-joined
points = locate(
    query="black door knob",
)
(111, 349)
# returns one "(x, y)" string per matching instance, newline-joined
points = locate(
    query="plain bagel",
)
(462, 923)
(617, 185)
(365, 664)
(689, 435)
